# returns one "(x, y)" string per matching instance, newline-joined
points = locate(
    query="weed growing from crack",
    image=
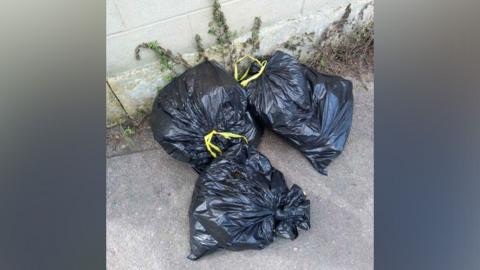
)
(253, 42)
(166, 57)
(165, 61)
(124, 136)
(200, 49)
(295, 43)
(219, 28)
(168, 78)
(129, 131)
(346, 52)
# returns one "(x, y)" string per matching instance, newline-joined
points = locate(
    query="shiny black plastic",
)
(312, 111)
(241, 202)
(202, 99)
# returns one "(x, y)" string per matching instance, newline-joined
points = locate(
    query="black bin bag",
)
(200, 113)
(241, 202)
(312, 111)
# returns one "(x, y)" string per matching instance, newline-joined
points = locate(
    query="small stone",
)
(295, 249)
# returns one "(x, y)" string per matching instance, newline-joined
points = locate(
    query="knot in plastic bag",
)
(292, 212)
(289, 214)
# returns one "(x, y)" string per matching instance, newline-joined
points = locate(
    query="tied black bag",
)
(241, 202)
(310, 110)
(200, 113)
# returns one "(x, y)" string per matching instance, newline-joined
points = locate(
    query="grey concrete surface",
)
(148, 194)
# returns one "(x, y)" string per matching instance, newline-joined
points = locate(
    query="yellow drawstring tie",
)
(212, 147)
(244, 82)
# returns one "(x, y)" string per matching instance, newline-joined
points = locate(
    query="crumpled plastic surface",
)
(312, 111)
(241, 202)
(202, 99)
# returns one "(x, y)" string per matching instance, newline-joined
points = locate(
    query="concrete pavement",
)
(148, 195)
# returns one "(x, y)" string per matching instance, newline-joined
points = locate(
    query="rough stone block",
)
(115, 113)
(136, 90)
(273, 37)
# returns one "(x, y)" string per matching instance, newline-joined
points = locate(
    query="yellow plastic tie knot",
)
(212, 148)
(243, 80)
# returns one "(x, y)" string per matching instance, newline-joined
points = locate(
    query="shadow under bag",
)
(241, 202)
(201, 113)
(312, 111)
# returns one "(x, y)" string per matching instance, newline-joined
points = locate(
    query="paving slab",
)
(148, 195)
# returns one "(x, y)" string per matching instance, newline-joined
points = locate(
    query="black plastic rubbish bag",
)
(200, 113)
(310, 110)
(241, 202)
